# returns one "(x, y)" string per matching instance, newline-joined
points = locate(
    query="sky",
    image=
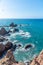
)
(21, 8)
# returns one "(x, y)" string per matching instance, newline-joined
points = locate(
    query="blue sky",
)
(21, 8)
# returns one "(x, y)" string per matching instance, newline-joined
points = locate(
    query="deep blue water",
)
(20, 21)
(35, 29)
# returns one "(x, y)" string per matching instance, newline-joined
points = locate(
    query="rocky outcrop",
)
(19, 45)
(8, 45)
(38, 60)
(9, 31)
(5, 47)
(3, 31)
(14, 47)
(15, 30)
(2, 49)
(2, 39)
(13, 25)
(9, 59)
(28, 46)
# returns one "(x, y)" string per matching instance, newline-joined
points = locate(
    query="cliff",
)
(38, 60)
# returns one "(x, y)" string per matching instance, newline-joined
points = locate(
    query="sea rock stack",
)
(38, 60)
(3, 31)
(13, 25)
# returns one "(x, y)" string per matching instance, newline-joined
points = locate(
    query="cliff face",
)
(9, 59)
(38, 60)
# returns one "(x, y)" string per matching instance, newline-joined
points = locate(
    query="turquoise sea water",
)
(33, 29)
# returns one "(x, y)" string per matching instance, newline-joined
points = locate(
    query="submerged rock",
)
(15, 30)
(13, 25)
(19, 45)
(28, 46)
(3, 31)
(8, 45)
(38, 60)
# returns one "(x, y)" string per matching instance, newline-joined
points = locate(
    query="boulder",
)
(14, 47)
(3, 31)
(2, 39)
(15, 30)
(28, 46)
(8, 45)
(13, 25)
(2, 49)
(9, 31)
(19, 45)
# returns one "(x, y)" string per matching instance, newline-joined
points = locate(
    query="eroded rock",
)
(3, 31)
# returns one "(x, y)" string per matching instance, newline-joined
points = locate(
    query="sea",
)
(30, 32)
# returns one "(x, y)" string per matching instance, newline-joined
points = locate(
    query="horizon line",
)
(21, 18)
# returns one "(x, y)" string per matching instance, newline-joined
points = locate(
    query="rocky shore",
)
(6, 50)
(9, 59)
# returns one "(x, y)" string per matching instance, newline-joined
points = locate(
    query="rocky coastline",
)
(9, 59)
(6, 50)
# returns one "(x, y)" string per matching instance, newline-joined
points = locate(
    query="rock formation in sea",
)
(8, 45)
(38, 60)
(3, 31)
(10, 60)
(2, 39)
(13, 25)
(28, 46)
(19, 45)
(15, 30)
